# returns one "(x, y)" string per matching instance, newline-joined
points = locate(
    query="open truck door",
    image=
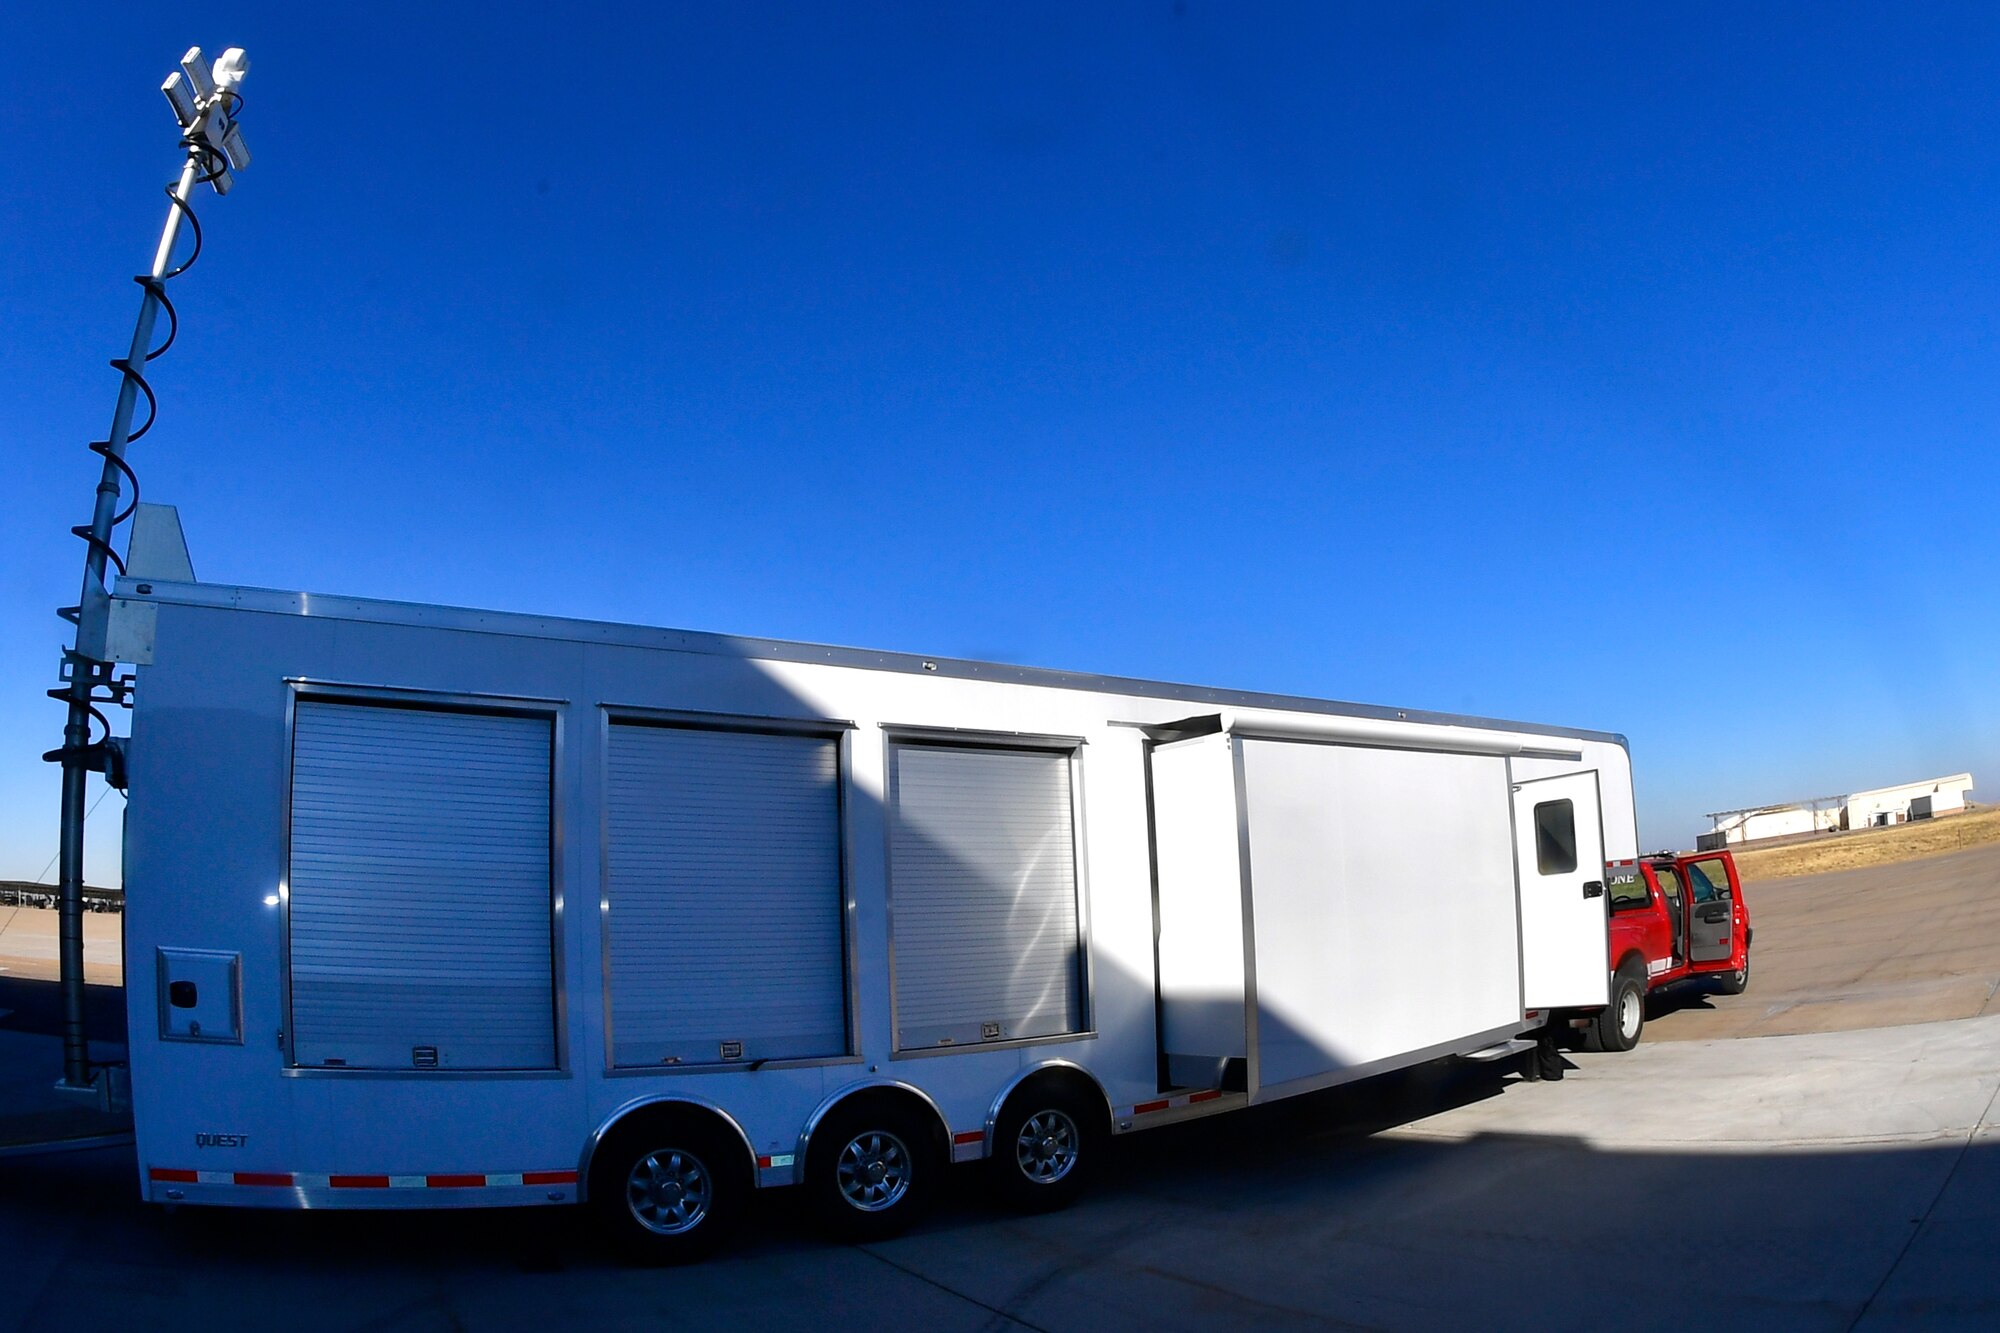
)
(1711, 922)
(1559, 844)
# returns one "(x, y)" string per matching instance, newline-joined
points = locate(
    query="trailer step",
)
(1500, 1050)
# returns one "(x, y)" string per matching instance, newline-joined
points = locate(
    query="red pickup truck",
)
(1673, 918)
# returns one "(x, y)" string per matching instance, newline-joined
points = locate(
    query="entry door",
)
(1565, 949)
(1710, 906)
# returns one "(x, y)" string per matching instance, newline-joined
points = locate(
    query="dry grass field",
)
(1878, 946)
(1872, 847)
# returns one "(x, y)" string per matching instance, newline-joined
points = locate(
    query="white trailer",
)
(429, 907)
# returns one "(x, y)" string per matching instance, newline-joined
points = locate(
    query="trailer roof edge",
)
(270, 601)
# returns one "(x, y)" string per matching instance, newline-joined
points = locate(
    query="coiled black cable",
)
(211, 166)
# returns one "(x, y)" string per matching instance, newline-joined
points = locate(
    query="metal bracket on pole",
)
(204, 99)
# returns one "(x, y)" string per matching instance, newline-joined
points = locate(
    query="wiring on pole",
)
(211, 167)
(205, 102)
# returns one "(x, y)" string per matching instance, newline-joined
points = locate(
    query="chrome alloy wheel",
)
(1631, 1009)
(670, 1191)
(1046, 1147)
(873, 1172)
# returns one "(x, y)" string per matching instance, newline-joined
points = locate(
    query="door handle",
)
(1593, 888)
(1716, 912)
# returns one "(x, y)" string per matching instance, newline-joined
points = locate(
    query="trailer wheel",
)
(1735, 983)
(1618, 1025)
(1045, 1145)
(668, 1188)
(872, 1169)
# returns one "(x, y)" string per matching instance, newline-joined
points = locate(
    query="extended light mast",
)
(205, 100)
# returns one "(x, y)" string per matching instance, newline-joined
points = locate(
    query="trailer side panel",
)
(1382, 886)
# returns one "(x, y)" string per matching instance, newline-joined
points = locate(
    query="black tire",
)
(668, 1187)
(1735, 983)
(1618, 1025)
(1046, 1143)
(872, 1170)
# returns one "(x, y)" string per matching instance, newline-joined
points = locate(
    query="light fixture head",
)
(196, 70)
(230, 68)
(180, 99)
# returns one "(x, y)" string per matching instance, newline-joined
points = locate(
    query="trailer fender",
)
(618, 1116)
(1067, 1070)
(863, 1087)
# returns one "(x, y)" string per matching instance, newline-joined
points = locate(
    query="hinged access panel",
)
(1327, 909)
(1202, 926)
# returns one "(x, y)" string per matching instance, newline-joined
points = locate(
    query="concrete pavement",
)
(1820, 1178)
(1914, 942)
(1828, 1181)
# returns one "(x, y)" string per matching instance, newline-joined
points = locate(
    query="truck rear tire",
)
(1045, 1146)
(1735, 983)
(1618, 1025)
(872, 1170)
(668, 1188)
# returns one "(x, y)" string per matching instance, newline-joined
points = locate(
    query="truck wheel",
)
(1735, 983)
(668, 1189)
(1045, 1145)
(871, 1170)
(1618, 1025)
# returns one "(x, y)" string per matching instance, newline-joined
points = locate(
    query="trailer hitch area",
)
(106, 756)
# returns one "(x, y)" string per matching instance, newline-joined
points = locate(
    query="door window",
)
(1709, 879)
(1629, 893)
(1555, 837)
(1670, 884)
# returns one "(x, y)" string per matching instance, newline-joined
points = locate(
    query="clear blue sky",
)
(1624, 367)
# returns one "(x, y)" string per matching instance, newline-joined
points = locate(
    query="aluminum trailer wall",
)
(249, 1109)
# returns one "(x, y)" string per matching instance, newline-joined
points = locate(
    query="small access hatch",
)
(201, 996)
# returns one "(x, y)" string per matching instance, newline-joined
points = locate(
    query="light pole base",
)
(109, 1089)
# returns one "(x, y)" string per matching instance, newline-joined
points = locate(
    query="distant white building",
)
(1863, 809)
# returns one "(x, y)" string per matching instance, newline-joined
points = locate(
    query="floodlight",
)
(178, 97)
(233, 147)
(230, 67)
(197, 73)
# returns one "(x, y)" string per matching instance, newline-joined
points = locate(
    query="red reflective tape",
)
(454, 1182)
(970, 1136)
(358, 1182)
(1208, 1096)
(1147, 1108)
(282, 1178)
(569, 1177)
(173, 1175)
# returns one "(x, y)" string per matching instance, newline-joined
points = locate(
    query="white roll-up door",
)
(725, 896)
(983, 894)
(420, 888)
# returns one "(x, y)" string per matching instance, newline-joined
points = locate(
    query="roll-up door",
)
(420, 888)
(983, 894)
(725, 896)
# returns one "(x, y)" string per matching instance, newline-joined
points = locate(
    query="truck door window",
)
(1709, 879)
(1670, 884)
(1628, 893)
(1555, 837)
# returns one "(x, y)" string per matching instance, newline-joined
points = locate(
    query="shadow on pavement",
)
(1298, 1214)
(36, 1006)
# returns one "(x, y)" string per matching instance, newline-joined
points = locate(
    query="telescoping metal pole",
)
(204, 101)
